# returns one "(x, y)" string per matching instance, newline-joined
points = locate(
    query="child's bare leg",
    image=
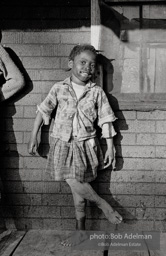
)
(80, 205)
(87, 192)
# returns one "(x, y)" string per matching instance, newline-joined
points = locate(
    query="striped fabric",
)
(74, 159)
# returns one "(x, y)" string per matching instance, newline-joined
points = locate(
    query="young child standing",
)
(75, 154)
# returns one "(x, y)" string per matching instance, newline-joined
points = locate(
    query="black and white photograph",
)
(82, 128)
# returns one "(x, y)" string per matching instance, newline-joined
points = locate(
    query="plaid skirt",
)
(75, 159)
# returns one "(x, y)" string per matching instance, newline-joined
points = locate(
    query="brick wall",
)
(33, 201)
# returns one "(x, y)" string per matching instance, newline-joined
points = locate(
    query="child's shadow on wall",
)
(104, 180)
(12, 172)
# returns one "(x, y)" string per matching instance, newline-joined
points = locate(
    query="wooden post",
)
(95, 24)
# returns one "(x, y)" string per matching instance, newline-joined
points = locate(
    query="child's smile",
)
(83, 67)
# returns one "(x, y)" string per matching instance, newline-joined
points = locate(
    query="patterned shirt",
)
(92, 106)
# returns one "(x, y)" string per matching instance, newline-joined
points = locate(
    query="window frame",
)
(127, 101)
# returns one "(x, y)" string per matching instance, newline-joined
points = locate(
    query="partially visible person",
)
(11, 79)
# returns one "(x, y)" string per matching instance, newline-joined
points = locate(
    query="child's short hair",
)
(81, 48)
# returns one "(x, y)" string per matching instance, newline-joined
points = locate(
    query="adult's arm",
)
(13, 78)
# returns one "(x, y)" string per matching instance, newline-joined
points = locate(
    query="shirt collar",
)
(89, 85)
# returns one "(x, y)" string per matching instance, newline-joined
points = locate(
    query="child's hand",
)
(32, 146)
(109, 157)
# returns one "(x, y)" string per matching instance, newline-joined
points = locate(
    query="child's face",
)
(83, 67)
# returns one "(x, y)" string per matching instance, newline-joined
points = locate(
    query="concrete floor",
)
(48, 243)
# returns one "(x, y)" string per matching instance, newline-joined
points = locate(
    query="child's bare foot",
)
(113, 216)
(75, 238)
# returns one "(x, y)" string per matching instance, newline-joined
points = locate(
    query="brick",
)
(160, 189)
(160, 126)
(160, 214)
(75, 38)
(135, 151)
(148, 214)
(42, 86)
(65, 49)
(22, 13)
(68, 225)
(135, 126)
(151, 139)
(19, 125)
(28, 223)
(42, 211)
(51, 187)
(14, 37)
(67, 212)
(63, 3)
(160, 152)
(51, 13)
(41, 38)
(13, 137)
(75, 13)
(64, 63)
(142, 225)
(49, 50)
(153, 115)
(126, 139)
(145, 188)
(160, 201)
(22, 149)
(128, 115)
(30, 111)
(12, 111)
(160, 176)
(33, 162)
(23, 199)
(14, 211)
(106, 188)
(25, 49)
(35, 187)
(127, 188)
(130, 201)
(44, 137)
(26, 3)
(34, 75)
(160, 226)
(13, 187)
(60, 200)
(133, 176)
(52, 224)
(41, 62)
(53, 75)
(94, 213)
(65, 189)
(17, 174)
(30, 100)
(12, 161)
(144, 164)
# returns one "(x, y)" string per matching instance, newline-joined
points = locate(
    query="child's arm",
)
(13, 78)
(109, 154)
(106, 117)
(33, 143)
